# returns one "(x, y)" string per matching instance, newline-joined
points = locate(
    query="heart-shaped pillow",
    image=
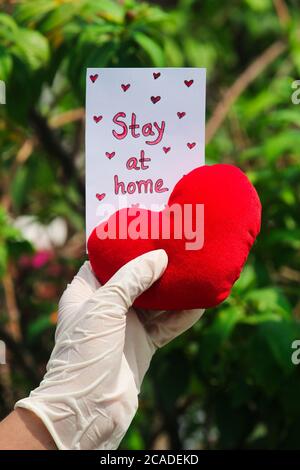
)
(194, 278)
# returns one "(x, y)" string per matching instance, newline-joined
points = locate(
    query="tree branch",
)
(54, 148)
(240, 85)
(282, 12)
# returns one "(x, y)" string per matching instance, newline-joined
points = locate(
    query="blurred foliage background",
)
(229, 382)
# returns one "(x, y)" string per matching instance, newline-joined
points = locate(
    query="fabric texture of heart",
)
(193, 278)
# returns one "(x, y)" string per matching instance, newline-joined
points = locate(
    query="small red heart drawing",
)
(166, 149)
(181, 114)
(125, 87)
(156, 75)
(191, 145)
(155, 99)
(94, 77)
(194, 278)
(101, 196)
(110, 155)
(97, 118)
(188, 83)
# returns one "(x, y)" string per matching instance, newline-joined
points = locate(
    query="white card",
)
(140, 165)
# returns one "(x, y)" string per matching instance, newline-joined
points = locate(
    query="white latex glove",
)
(88, 396)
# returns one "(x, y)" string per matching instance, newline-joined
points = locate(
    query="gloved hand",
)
(103, 348)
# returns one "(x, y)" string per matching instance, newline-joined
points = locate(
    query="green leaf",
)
(19, 186)
(3, 258)
(31, 47)
(246, 280)
(5, 64)
(109, 10)
(89, 56)
(279, 144)
(283, 237)
(259, 5)
(224, 323)
(260, 365)
(269, 299)
(254, 319)
(31, 11)
(173, 376)
(17, 248)
(58, 17)
(217, 334)
(200, 54)
(151, 47)
(40, 325)
(7, 25)
(279, 336)
(174, 55)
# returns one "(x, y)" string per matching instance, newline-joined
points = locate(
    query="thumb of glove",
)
(133, 279)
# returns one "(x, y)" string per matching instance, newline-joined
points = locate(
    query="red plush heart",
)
(193, 278)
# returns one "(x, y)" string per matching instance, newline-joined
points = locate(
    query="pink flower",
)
(41, 258)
